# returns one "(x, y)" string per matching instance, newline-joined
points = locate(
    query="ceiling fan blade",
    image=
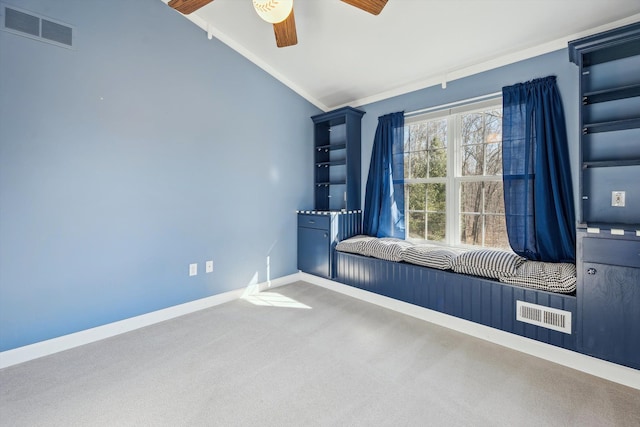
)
(372, 6)
(285, 31)
(188, 6)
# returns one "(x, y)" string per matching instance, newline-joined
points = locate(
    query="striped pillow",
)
(433, 256)
(548, 276)
(387, 248)
(354, 244)
(487, 263)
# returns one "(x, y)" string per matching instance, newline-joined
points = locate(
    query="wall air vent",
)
(36, 27)
(546, 317)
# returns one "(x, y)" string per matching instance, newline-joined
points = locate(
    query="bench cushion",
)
(433, 256)
(387, 248)
(354, 244)
(548, 276)
(487, 263)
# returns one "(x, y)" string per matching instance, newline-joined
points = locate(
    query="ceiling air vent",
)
(546, 317)
(36, 27)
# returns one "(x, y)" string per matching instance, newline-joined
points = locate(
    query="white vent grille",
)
(546, 317)
(36, 27)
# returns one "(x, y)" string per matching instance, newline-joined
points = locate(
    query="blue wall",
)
(554, 63)
(145, 148)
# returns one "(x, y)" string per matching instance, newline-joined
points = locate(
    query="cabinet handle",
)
(326, 235)
(591, 271)
(311, 221)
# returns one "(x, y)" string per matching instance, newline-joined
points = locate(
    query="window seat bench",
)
(452, 285)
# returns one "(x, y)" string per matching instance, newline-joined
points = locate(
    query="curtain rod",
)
(453, 104)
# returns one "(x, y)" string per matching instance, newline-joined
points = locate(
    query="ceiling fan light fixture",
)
(273, 11)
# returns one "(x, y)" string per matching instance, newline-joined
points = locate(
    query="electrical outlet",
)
(209, 266)
(618, 199)
(193, 269)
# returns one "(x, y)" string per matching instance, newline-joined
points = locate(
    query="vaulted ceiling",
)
(345, 56)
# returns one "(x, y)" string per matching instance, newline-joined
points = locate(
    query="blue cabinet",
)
(609, 298)
(314, 244)
(318, 234)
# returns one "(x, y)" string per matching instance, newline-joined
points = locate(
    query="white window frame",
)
(454, 163)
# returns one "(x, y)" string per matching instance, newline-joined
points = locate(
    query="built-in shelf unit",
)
(608, 246)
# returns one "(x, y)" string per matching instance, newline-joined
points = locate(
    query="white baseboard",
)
(571, 359)
(76, 339)
(590, 365)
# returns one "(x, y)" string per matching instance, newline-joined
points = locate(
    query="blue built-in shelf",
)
(608, 238)
(337, 140)
(609, 70)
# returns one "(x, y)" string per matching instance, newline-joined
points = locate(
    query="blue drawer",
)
(322, 222)
(624, 253)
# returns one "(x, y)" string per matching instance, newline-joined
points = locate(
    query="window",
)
(453, 176)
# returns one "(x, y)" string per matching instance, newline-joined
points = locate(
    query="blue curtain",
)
(384, 197)
(538, 194)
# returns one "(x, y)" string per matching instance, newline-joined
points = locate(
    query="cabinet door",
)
(314, 251)
(611, 313)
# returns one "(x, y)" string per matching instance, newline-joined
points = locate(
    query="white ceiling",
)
(345, 56)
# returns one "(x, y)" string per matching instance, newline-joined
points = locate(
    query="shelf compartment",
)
(598, 184)
(331, 147)
(610, 163)
(605, 146)
(332, 163)
(613, 94)
(611, 126)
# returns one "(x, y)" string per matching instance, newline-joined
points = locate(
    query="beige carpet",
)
(302, 355)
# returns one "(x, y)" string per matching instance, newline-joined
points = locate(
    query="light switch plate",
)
(193, 269)
(618, 199)
(209, 266)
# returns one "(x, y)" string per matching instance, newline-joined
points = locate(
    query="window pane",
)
(407, 165)
(482, 214)
(471, 229)
(436, 197)
(472, 128)
(418, 137)
(493, 153)
(472, 160)
(438, 163)
(493, 126)
(471, 197)
(438, 134)
(416, 225)
(418, 164)
(494, 197)
(415, 195)
(436, 225)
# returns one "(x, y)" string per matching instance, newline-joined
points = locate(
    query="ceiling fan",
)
(279, 13)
